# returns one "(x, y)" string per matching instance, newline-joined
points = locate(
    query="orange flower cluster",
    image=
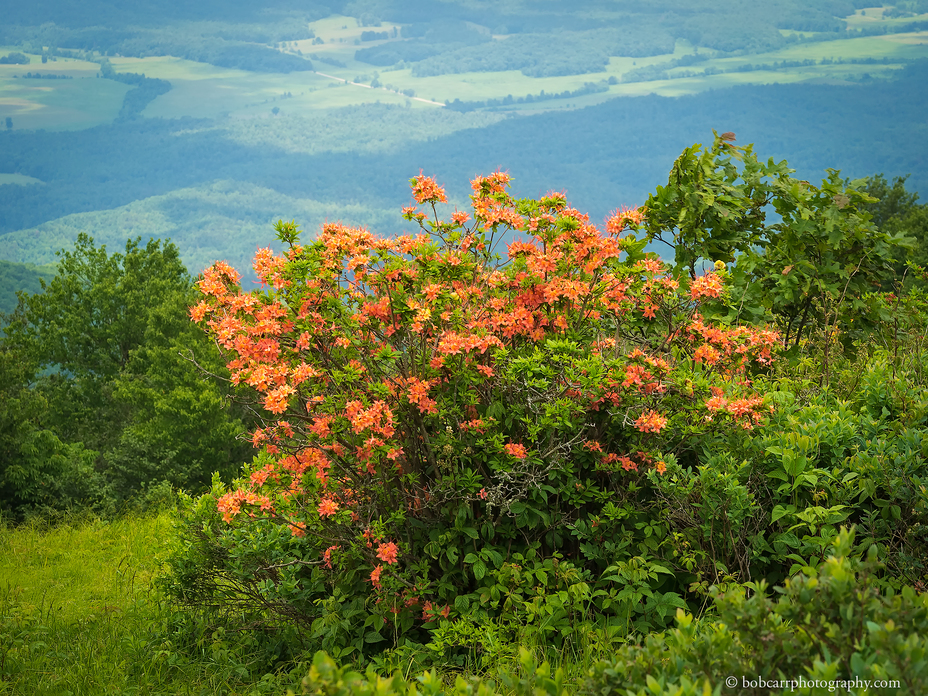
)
(388, 552)
(708, 285)
(619, 220)
(216, 278)
(453, 342)
(269, 267)
(651, 422)
(626, 462)
(375, 576)
(707, 354)
(425, 190)
(746, 411)
(736, 347)
(327, 507)
(418, 394)
(231, 503)
(497, 182)
(378, 418)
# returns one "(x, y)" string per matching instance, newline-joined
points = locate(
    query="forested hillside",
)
(25, 277)
(603, 156)
(203, 126)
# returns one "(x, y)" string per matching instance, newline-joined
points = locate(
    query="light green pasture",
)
(79, 616)
(82, 102)
(57, 65)
(171, 68)
(479, 86)
(60, 104)
(341, 30)
(873, 16)
(20, 179)
(205, 91)
(899, 46)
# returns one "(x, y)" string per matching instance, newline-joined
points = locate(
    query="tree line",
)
(103, 397)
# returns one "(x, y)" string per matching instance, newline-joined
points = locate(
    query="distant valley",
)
(206, 128)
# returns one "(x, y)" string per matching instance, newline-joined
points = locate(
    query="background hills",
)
(206, 124)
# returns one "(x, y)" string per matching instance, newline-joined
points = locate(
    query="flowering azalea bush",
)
(436, 407)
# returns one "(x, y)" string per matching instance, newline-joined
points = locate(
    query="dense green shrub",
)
(327, 678)
(831, 628)
(837, 623)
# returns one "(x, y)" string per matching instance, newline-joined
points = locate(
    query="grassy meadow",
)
(199, 90)
(80, 615)
(205, 91)
(874, 16)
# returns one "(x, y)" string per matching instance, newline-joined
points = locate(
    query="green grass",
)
(83, 102)
(79, 615)
(910, 45)
(482, 86)
(340, 30)
(479, 86)
(75, 571)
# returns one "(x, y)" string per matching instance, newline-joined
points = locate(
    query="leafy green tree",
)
(111, 338)
(809, 255)
(36, 468)
(897, 211)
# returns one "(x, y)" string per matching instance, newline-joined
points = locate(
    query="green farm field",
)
(72, 104)
(340, 32)
(906, 46)
(60, 104)
(479, 86)
(204, 91)
(893, 47)
(18, 179)
(199, 90)
(874, 16)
